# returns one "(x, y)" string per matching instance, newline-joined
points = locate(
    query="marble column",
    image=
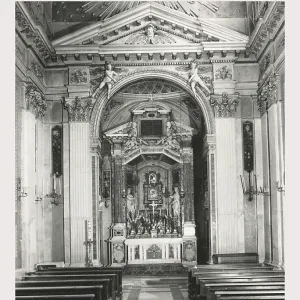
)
(95, 160)
(210, 153)
(227, 177)
(118, 251)
(189, 246)
(80, 203)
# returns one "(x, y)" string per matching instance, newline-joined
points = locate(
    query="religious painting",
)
(152, 188)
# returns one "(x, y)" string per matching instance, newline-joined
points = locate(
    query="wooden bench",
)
(252, 297)
(194, 284)
(235, 258)
(57, 297)
(234, 281)
(210, 291)
(105, 282)
(62, 290)
(218, 295)
(117, 270)
(64, 277)
(81, 272)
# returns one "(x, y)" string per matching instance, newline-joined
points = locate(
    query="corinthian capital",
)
(224, 107)
(79, 109)
(35, 101)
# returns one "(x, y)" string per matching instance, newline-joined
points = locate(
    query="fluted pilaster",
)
(80, 189)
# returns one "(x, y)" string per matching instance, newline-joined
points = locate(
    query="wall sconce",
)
(280, 187)
(54, 198)
(252, 189)
(21, 190)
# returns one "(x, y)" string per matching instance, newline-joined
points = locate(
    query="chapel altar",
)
(153, 205)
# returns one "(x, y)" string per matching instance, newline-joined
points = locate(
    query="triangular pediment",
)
(128, 29)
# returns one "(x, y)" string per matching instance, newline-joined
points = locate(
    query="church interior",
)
(150, 150)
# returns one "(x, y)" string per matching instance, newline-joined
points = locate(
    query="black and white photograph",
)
(150, 150)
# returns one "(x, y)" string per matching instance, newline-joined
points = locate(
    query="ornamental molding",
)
(132, 76)
(223, 73)
(224, 105)
(35, 101)
(27, 28)
(265, 63)
(156, 11)
(267, 94)
(37, 70)
(78, 77)
(79, 109)
(267, 27)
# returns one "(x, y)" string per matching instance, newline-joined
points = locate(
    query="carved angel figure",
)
(196, 76)
(150, 36)
(170, 141)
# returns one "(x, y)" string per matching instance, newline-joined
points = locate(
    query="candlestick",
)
(54, 183)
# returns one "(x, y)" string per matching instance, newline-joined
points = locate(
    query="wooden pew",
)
(105, 282)
(218, 295)
(194, 284)
(253, 297)
(98, 291)
(235, 281)
(64, 277)
(80, 272)
(211, 291)
(118, 270)
(57, 297)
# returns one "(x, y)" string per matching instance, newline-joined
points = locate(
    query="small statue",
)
(130, 203)
(109, 77)
(130, 144)
(195, 79)
(175, 204)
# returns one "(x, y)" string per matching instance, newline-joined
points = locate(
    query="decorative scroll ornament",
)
(223, 73)
(37, 70)
(267, 95)
(150, 36)
(79, 109)
(224, 107)
(35, 101)
(78, 76)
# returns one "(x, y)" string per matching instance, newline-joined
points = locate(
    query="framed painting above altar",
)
(153, 188)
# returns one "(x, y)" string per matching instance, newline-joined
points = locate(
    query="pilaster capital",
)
(267, 94)
(35, 101)
(79, 109)
(224, 105)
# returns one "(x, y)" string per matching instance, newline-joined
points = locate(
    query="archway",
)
(207, 119)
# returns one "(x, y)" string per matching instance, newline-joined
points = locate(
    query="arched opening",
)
(151, 103)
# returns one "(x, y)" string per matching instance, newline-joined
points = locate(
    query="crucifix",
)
(153, 207)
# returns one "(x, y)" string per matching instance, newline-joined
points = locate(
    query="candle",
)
(59, 187)
(54, 183)
(255, 182)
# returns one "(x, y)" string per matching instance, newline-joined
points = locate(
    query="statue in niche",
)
(131, 203)
(198, 75)
(175, 204)
(150, 36)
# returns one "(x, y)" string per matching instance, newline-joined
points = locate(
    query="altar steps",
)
(156, 270)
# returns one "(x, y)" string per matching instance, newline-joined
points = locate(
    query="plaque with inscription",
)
(151, 127)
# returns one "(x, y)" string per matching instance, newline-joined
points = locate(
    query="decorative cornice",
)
(223, 106)
(27, 28)
(267, 26)
(35, 101)
(79, 109)
(267, 94)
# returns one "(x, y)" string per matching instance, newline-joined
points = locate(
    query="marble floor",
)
(148, 288)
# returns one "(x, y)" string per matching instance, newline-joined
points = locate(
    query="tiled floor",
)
(149, 288)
